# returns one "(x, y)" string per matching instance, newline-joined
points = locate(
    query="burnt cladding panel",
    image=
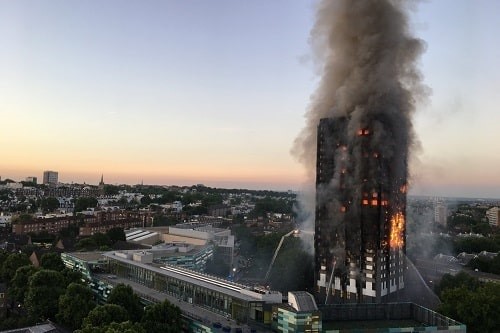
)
(328, 139)
(329, 226)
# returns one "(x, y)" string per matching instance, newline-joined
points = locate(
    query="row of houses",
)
(89, 224)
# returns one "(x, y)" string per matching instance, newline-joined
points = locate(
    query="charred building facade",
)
(360, 210)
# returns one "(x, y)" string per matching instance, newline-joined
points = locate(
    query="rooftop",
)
(229, 288)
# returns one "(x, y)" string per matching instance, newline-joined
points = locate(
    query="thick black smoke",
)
(366, 58)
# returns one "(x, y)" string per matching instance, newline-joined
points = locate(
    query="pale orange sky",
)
(167, 94)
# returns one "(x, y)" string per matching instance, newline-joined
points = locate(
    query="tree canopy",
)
(82, 203)
(42, 298)
(49, 204)
(124, 296)
(162, 318)
(116, 234)
(19, 283)
(123, 327)
(74, 305)
(104, 315)
(53, 261)
(11, 264)
(471, 302)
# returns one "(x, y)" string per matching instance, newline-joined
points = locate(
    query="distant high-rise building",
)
(50, 177)
(360, 227)
(440, 212)
(493, 216)
(32, 180)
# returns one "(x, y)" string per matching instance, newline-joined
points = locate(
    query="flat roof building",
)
(206, 300)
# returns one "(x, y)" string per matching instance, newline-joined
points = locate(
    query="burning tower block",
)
(359, 240)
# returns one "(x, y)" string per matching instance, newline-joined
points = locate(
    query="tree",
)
(103, 315)
(74, 305)
(145, 200)
(124, 295)
(49, 204)
(101, 239)
(478, 309)
(123, 327)
(111, 189)
(86, 244)
(12, 263)
(70, 232)
(3, 256)
(52, 261)
(162, 318)
(44, 289)
(461, 280)
(71, 276)
(82, 203)
(116, 234)
(19, 283)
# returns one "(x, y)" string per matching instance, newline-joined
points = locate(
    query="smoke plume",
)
(366, 59)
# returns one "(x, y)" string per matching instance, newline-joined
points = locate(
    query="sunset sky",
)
(214, 92)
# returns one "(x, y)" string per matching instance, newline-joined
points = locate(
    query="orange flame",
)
(397, 227)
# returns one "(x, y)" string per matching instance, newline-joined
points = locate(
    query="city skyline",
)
(180, 93)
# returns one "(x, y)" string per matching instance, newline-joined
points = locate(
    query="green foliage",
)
(28, 249)
(3, 255)
(104, 315)
(486, 265)
(169, 196)
(124, 296)
(469, 218)
(11, 264)
(123, 327)
(49, 204)
(43, 237)
(162, 318)
(71, 231)
(86, 244)
(461, 280)
(101, 239)
(71, 276)
(211, 199)
(74, 305)
(146, 200)
(261, 249)
(94, 242)
(116, 234)
(478, 308)
(195, 210)
(271, 205)
(82, 203)
(111, 189)
(42, 298)
(476, 244)
(15, 320)
(22, 218)
(160, 219)
(189, 198)
(19, 283)
(52, 261)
